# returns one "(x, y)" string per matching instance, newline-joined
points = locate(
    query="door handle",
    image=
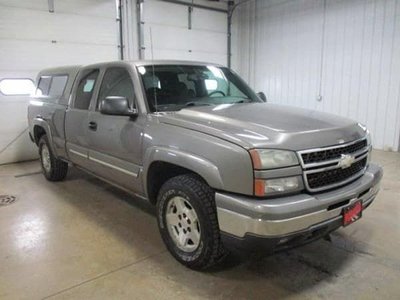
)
(92, 125)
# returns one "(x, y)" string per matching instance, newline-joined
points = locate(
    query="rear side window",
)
(51, 86)
(85, 89)
(117, 82)
(43, 86)
(57, 86)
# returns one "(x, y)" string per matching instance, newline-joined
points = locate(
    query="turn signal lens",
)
(281, 185)
(267, 187)
(259, 187)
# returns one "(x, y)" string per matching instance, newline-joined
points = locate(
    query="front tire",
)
(188, 223)
(53, 168)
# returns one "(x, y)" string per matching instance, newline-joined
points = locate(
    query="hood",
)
(262, 125)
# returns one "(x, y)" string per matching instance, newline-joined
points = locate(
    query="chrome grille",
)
(333, 153)
(330, 177)
(323, 168)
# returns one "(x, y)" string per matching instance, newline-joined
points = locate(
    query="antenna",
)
(154, 76)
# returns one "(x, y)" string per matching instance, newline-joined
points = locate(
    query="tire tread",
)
(205, 195)
(59, 168)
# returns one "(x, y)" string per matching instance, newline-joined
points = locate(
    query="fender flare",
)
(199, 165)
(46, 127)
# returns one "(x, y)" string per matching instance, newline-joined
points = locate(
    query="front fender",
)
(203, 167)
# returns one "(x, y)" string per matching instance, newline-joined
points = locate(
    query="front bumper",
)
(242, 217)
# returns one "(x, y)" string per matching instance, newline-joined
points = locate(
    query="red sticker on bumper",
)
(352, 213)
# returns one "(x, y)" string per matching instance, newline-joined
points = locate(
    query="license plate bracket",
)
(352, 213)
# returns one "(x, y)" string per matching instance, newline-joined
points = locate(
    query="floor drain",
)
(7, 199)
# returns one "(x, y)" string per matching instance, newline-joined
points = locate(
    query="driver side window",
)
(85, 89)
(117, 82)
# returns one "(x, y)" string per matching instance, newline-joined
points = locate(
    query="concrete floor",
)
(82, 239)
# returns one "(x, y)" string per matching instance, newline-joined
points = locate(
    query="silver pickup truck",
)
(225, 169)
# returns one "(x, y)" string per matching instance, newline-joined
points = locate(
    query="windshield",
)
(173, 87)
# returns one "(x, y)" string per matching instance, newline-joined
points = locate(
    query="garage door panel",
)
(18, 74)
(210, 57)
(209, 20)
(29, 4)
(57, 27)
(99, 8)
(161, 36)
(36, 55)
(14, 141)
(186, 39)
(21, 149)
(14, 118)
(191, 56)
(159, 12)
(208, 41)
(205, 41)
(167, 54)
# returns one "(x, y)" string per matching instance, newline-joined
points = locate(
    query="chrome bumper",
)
(240, 215)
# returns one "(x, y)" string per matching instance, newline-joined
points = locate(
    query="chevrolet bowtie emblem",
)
(346, 160)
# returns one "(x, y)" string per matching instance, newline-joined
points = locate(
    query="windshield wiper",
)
(197, 104)
(244, 100)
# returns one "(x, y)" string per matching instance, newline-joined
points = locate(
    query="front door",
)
(115, 142)
(76, 119)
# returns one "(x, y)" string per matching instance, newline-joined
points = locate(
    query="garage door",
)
(199, 36)
(32, 38)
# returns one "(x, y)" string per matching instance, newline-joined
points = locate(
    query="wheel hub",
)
(183, 224)
(46, 161)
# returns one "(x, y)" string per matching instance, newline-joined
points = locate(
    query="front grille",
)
(334, 176)
(322, 168)
(332, 153)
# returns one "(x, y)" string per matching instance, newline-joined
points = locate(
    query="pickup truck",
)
(225, 169)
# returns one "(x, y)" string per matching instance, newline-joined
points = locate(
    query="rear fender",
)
(43, 124)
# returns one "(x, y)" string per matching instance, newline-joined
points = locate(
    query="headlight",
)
(368, 134)
(369, 143)
(271, 158)
(369, 139)
(267, 187)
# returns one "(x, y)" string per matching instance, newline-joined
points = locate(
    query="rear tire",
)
(53, 168)
(188, 223)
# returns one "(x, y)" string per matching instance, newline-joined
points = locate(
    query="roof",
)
(61, 70)
(171, 62)
(75, 68)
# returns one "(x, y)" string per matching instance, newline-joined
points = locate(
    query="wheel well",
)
(159, 172)
(38, 132)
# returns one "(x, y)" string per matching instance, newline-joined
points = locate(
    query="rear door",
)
(76, 119)
(115, 142)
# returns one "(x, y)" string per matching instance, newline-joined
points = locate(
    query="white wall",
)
(172, 39)
(31, 38)
(349, 52)
(206, 41)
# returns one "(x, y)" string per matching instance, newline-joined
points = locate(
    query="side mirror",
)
(117, 106)
(262, 96)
